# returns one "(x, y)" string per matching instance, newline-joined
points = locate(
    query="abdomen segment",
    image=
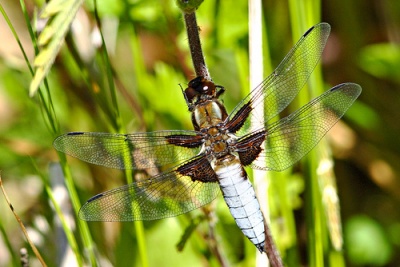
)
(241, 199)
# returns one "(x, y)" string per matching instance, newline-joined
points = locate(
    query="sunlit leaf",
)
(60, 14)
(366, 242)
(381, 60)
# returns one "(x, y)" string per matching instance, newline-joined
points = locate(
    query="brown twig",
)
(195, 45)
(270, 249)
(21, 224)
(212, 239)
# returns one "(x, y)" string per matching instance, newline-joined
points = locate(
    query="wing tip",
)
(83, 214)
(319, 25)
(354, 86)
(58, 142)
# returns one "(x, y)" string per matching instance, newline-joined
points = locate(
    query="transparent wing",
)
(169, 194)
(292, 137)
(280, 88)
(131, 151)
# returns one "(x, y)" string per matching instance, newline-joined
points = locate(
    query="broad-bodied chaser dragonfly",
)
(192, 167)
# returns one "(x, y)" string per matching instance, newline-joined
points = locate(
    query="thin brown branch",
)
(212, 239)
(270, 249)
(195, 45)
(21, 224)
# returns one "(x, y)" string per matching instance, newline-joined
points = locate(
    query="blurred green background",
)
(147, 47)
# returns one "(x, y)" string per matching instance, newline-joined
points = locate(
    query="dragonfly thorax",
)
(218, 142)
(208, 114)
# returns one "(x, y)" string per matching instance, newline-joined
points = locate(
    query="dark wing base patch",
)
(199, 170)
(249, 147)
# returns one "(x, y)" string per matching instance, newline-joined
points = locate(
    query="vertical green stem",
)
(312, 209)
(83, 227)
(303, 15)
(139, 229)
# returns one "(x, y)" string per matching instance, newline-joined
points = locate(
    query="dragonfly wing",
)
(292, 137)
(170, 194)
(131, 151)
(281, 87)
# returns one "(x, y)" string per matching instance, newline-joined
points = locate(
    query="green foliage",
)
(130, 83)
(382, 61)
(367, 243)
(60, 14)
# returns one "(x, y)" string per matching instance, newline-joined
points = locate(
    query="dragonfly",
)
(192, 167)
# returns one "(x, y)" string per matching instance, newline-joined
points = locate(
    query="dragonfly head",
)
(200, 90)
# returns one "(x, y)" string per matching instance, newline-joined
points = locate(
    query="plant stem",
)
(272, 252)
(256, 76)
(195, 45)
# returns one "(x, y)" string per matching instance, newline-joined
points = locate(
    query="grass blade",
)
(60, 14)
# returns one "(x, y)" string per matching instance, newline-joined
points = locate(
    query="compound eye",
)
(190, 94)
(196, 82)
